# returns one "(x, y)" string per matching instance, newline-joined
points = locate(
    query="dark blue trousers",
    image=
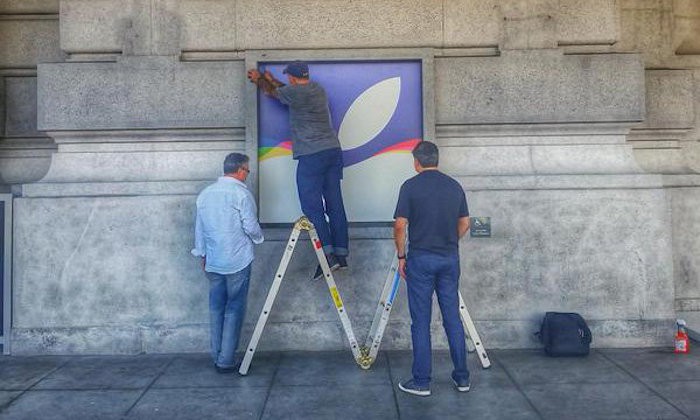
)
(428, 273)
(318, 184)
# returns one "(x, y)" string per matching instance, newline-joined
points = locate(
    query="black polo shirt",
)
(433, 203)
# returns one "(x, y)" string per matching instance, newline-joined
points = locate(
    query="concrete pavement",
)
(521, 384)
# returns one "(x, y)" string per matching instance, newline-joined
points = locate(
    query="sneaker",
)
(462, 386)
(332, 264)
(410, 387)
(231, 369)
(342, 261)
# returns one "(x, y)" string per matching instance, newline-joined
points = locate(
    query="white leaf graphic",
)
(385, 173)
(369, 113)
(279, 202)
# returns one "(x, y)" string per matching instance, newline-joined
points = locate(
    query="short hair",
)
(426, 153)
(234, 162)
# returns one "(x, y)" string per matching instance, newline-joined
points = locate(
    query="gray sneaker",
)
(462, 386)
(332, 264)
(410, 387)
(342, 261)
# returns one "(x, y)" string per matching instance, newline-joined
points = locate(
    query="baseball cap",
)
(297, 69)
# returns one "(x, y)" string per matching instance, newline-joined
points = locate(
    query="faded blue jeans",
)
(228, 295)
(428, 273)
(318, 183)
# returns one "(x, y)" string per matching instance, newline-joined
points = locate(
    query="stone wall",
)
(28, 36)
(572, 124)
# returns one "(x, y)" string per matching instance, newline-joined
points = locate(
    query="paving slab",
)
(534, 367)
(330, 402)
(684, 395)
(599, 401)
(20, 373)
(7, 396)
(197, 370)
(521, 384)
(651, 365)
(328, 369)
(479, 403)
(115, 372)
(200, 403)
(492, 396)
(401, 363)
(93, 404)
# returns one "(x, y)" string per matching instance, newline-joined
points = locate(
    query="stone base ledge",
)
(112, 189)
(561, 182)
(469, 183)
(314, 336)
(688, 305)
(681, 181)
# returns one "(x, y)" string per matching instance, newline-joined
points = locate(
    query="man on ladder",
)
(434, 207)
(320, 160)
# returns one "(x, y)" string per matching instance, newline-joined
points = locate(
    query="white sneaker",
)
(410, 387)
(461, 387)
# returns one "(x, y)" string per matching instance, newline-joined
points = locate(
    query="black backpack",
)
(565, 334)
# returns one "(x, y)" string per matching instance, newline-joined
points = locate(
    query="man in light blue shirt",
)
(225, 231)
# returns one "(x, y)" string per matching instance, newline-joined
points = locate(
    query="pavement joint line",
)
(4, 406)
(517, 386)
(83, 389)
(148, 387)
(391, 384)
(208, 387)
(646, 385)
(272, 383)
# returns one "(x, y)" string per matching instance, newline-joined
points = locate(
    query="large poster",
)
(376, 108)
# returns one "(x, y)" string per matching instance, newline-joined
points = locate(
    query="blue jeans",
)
(228, 294)
(428, 273)
(318, 183)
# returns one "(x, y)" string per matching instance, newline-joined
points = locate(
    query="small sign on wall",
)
(480, 227)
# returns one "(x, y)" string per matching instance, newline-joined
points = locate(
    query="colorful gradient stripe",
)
(403, 147)
(282, 149)
(285, 149)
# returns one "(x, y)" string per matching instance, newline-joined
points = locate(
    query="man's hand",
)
(402, 268)
(253, 76)
(270, 78)
(463, 225)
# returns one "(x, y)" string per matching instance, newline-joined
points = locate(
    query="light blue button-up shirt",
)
(226, 227)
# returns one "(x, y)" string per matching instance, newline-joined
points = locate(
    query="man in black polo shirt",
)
(434, 207)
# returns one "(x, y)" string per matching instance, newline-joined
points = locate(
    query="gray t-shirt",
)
(309, 118)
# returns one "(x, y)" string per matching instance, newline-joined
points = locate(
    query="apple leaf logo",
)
(370, 113)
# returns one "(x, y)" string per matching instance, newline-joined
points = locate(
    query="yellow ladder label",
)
(336, 298)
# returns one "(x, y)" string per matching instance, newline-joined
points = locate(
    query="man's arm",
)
(266, 82)
(199, 250)
(249, 220)
(462, 225)
(400, 241)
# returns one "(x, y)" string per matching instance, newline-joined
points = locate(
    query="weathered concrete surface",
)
(339, 24)
(25, 153)
(106, 26)
(26, 42)
(582, 251)
(143, 92)
(28, 6)
(663, 143)
(20, 103)
(685, 203)
(539, 87)
(590, 22)
(165, 27)
(522, 384)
